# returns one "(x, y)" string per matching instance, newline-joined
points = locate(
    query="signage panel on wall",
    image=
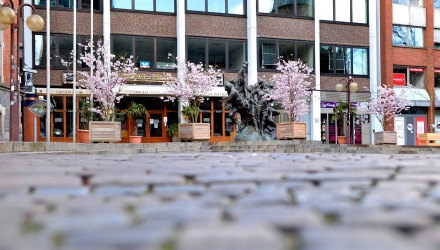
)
(145, 65)
(417, 69)
(399, 79)
(436, 70)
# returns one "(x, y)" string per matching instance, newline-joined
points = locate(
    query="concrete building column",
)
(375, 79)
(252, 42)
(106, 23)
(181, 44)
(315, 102)
(27, 36)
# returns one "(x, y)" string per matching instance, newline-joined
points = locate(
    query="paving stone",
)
(109, 191)
(345, 175)
(232, 189)
(230, 237)
(359, 239)
(237, 178)
(60, 191)
(39, 181)
(136, 179)
(191, 189)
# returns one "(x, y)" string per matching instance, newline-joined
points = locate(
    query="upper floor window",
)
(148, 52)
(411, 2)
(353, 11)
(234, 7)
(81, 4)
(145, 5)
(271, 51)
(61, 47)
(437, 4)
(344, 60)
(221, 53)
(403, 75)
(286, 7)
(408, 36)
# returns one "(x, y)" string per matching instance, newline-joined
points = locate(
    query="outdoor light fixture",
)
(35, 22)
(8, 19)
(351, 86)
(7, 15)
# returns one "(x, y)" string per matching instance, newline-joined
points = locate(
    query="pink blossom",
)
(292, 88)
(388, 104)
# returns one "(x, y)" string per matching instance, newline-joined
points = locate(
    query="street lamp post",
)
(350, 86)
(35, 23)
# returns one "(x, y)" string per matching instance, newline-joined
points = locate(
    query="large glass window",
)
(344, 60)
(61, 47)
(437, 4)
(408, 36)
(224, 54)
(355, 11)
(235, 7)
(437, 38)
(272, 51)
(403, 75)
(437, 78)
(410, 2)
(145, 5)
(143, 51)
(287, 7)
(80, 4)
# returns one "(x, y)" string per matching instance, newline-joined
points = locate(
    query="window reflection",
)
(287, 51)
(266, 6)
(436, 3)
(343, 60)
(197, 50)
(144, 48)
(326, 12)
(146, 5)
(122, 4)
(236, 7)
(195, 5)
(217, 53)
(360, 61)
(268, 54)
(122, 47)
(399, 35)
(236, 54)
(305, 53)
(326, 59)
(286, 7)
(217, 6)
(304, 7)
(416, 37)
(342, 10)
(165, 6)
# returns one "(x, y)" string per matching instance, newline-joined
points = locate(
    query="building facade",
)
(337, 38)
(410, 39)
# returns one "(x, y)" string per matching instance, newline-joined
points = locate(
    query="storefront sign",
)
(436, 70)
(399, 79)
(149, 78)
(334, 104)
(417, 69)
(145, 65)
(67, 78)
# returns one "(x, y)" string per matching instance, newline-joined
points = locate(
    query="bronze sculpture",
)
(250, 109)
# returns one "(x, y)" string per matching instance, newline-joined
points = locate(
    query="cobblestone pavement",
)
(210, 201)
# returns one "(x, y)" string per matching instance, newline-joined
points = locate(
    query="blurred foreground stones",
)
(225, 200)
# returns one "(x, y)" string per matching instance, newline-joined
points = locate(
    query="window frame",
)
(58, 65)
(69, 9)
(408, 78)
(285, 15)
(407, 4)
(407, 38)
(351, 15)
(133, 37)
(278, 51)
(352, 61)
(206, 12)
(226, 70)
(133, 10)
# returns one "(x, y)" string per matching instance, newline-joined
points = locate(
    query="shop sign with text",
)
(399, 79)
(417, 69)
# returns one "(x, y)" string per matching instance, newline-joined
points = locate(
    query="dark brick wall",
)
(345, 34)
(62, 22)
(216, 26)
(287, 28)
(56, 78)
(143, 24)
(329, 82)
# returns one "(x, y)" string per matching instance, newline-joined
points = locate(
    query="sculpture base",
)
(249, 133)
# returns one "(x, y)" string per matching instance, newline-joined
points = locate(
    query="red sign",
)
(417, 69)
(436, 70)
(399, 79)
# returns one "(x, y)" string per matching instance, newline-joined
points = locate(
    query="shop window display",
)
(409, 75)
(408, 36)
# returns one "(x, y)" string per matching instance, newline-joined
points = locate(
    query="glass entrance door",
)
(155, 127)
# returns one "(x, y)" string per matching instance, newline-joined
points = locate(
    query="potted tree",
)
(386, 106)
(85, 116)
(106, 83)
(190, 87)
(173, 132)
(136, 111)
(292, 91)
(339, 115)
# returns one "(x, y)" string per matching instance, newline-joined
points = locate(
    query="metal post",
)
(35, 128)
(74, 72)
(15, 91)
(348, 111)
(48, 135)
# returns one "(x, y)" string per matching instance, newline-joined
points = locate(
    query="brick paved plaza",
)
(245, 201)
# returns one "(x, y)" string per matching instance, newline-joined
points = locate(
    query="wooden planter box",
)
(194, 131)
(292, 130)
(105, 131)
(429, 139)
(385, 138)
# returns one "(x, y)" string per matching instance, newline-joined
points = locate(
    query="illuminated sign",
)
(145, 65)
(399, 79)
